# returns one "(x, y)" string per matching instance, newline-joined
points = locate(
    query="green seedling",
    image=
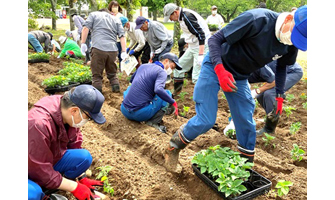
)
(78, 61)
(303, 96)
(119, 75)
(283, 187)
(267, 139)
(295, 127)
(182, 95)
(55, 81)
(288, 110)
(103, 176)
(226, 167)
(185, 110)
(231, 133)
(80, 77)
(304, 105)
(297, 153)
(185, 82)
(39, 56)
(289, 97)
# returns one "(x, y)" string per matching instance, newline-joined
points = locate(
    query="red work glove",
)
(82, 192)
(279, 105)
(90, 183)
(176, 108)
(226, 79)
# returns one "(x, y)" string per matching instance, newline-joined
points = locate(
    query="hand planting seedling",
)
(103, 176)
(182, 95)
(289, 97)
(295, 127)
(283, 187)
(185, 110)
(268, 138)
(297, 153)
(288, 110)
(226, 167)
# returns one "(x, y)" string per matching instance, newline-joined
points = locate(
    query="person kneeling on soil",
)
(71, 48)
(146, 100)
(35, 38)
(55, 154)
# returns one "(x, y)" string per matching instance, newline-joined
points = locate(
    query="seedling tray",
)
(256, 184)
(60, 89)
(38, 61)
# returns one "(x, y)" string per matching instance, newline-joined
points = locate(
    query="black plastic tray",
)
(256, 185)
(60, 89)
(38, 61)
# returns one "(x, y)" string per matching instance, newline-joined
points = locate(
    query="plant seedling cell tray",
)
(256, 185)
(60, 88)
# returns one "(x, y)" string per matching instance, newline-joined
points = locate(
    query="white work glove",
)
(228, 127)
(58, 56)
(83, 48)
(200, 59)
(254, 93)
(151, 54)
(158, 51)
(123, 55)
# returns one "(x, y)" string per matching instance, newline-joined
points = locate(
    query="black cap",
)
(171, 56)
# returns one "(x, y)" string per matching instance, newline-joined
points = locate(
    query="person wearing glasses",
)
(55, 154)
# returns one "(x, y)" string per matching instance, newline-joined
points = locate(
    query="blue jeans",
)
(147, 112)
(240, 104)
(73, 163)
(267, 98)
(35, 43)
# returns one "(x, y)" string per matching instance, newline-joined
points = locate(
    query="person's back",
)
(71, 45)
(156, 34)
(148, 77)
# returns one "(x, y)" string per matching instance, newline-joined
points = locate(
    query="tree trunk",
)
(154, 15)
(94, 5)
(71, 20)
(53, 8)
(176, 27)
(129, 9)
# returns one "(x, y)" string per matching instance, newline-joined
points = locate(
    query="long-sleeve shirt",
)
(136, 36)
(149, 80)
(48, 139)
(248, 43)
(216, 19)
(157, 36)
(42, 37)
(71, 45)
(105, 28)
(78, 22)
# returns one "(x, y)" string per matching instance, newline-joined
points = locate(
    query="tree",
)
(94, 5)
(41, 8)
(284, 5)
(155, 6)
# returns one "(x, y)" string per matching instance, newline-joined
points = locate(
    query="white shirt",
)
(216, 19)
(136, 36)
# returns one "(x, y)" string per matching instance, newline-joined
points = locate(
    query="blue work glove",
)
(131, 52)
(127, 50)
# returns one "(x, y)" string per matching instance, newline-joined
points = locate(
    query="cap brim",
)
(298, 40)
(166, 18)
(139, 26)
(178, 67)
(98, 118)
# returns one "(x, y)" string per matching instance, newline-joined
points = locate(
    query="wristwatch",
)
(258, 91)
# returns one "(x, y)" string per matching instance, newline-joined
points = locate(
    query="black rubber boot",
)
(156, 120)
(270, 125)
(249, 154)
(115, 88)
(177, 85)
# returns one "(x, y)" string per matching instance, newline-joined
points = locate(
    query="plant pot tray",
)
(60, 89)
(256, 185)
(38, 61)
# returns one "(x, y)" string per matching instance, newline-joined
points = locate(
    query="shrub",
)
(32, 23)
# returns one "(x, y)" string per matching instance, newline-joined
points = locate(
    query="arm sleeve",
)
(159, 87)
(77, 23)
(40, 158)
(140, 39)
(89, 22)
(75, 138)
(119, 28)
(160, 33)
(282, 63)
(214, 45)
(193, 26)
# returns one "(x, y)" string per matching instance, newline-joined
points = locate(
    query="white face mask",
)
(214, 12)
(168, 71)
(81, 123)
(285, 38)
(126, 29)
(115, 9)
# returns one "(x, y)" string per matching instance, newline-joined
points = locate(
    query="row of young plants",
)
(71, 73)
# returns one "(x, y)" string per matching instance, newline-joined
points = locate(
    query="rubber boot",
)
(270, 125)
(177, 85)
(116, 88)
(249, 154)
(177, 143)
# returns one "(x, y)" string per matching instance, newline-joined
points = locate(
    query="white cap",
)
(168, 10)
(62, 39)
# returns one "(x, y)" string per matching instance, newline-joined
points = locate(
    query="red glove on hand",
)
(176, 108)
(279, 105)
(90, 183)
(226, 79)
(82, 192)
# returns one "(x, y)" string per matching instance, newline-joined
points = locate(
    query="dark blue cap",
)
(172, 57)
(299, 32)
(89, 99)
(139, 22)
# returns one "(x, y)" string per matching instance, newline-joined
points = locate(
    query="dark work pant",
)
(101, 60)
(145, 51)
(166, 50)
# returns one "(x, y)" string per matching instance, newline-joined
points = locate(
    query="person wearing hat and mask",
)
(55, 154)
(259, 36)
(105, 29)
(196, 33)
(138, 45)
(157, 35)
(146, 99)
(215, 18)
(36, 38)
(79, 23)
(71, 48)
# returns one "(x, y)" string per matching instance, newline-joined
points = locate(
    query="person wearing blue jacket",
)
(146, 99)
(251, 40)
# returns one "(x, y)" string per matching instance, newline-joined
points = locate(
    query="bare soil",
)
(135, 150)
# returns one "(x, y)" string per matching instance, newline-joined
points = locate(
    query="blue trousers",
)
(73, 163)
(267, 98)
(35, 43)
(166, 50)
(147, 112)
(241, 105)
